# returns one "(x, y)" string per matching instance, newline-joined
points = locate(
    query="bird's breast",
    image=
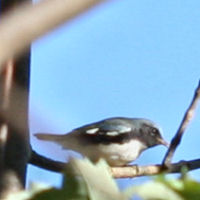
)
(121, 154)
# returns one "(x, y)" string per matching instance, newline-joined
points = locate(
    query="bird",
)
(118, 140)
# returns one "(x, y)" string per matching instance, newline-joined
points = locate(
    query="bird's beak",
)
(163, 142)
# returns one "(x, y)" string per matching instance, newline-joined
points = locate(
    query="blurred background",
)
(122, 58)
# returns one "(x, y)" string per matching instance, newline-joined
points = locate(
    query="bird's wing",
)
(107, 131)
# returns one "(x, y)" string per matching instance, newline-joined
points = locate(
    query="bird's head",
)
(149, 133)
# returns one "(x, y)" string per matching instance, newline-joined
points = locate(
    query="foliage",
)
(84, 180)
(162, 188)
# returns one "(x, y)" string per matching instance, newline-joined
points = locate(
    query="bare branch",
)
(184, 124)
(46, 163)
(148, 170)
(118, 172)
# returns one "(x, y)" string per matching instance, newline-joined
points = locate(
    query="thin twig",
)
(118, 172)
(184, 124)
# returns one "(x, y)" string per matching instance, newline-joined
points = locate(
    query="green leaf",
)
(100, 183)
(168, 189)
(187, 188)
(74, 186)
(84, 180)
(153, 191)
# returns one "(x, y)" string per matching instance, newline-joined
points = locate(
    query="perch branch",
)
(118, 172)
(184, 124)
(46, 163)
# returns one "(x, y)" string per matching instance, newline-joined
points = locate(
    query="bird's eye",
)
(154, 132)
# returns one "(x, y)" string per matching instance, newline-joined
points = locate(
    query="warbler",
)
(118, 140)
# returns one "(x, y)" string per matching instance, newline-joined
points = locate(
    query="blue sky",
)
(123, 58)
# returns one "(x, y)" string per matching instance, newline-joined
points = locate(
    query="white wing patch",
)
(109, 133)
(92, 131)
(115, 133)
(112, 133)
(125, 129)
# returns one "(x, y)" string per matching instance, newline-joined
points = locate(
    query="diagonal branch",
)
(34, 21)
(118, 172)
(184, 124)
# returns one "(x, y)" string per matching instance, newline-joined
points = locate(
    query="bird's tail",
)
(67, 141)
(48, 137)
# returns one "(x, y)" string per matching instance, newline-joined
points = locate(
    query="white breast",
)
(115, 154)
(121, 154)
